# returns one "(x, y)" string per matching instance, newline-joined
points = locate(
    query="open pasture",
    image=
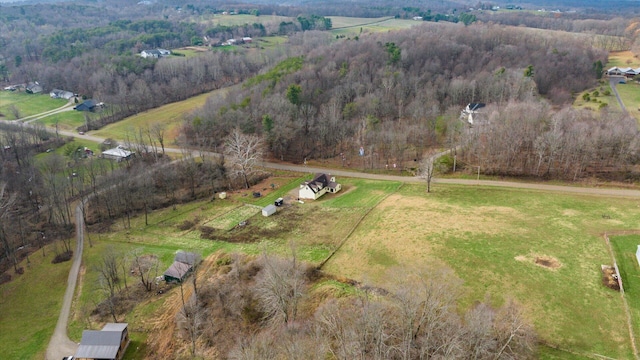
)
(240, 19)
(630, 95)
(623, 59)
(355, 26)
(543, 250)
(66, 120)
(26, 104)
(34, 306)
(169, 116)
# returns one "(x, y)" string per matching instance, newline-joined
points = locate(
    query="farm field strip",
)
(170, 116)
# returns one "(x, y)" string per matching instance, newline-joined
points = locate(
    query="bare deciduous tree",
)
(6, 202)
(243, 153)
(514, 334)
(146, 267)
(279, 287)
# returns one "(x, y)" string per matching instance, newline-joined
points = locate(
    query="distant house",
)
(626, 72)
(118, 154)
(470, 111)
(320, 185)
(60, 94)
(109, 343)
(269, 210)
(155, 53)
(34, 88)
(87, 105)
(417, 18)
(182, 266)
(247, 40)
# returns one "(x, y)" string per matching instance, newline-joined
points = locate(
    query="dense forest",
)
(395, 94)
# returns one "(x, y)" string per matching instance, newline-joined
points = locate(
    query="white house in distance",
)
(468, 113)
(626, 72)
(321, 184)
(60, 94)
(118, 154)
(155, 53)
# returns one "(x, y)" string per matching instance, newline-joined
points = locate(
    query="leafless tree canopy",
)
(415, 317)
(244, 153)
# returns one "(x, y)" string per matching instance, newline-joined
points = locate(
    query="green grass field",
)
(170, 116)
(624, 248)
(191, 51)
(492, 239)
(27, 104)
(30, 306)
(68, 120)
(241, 19)
(630, 95)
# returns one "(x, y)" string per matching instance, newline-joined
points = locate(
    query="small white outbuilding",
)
(269, 210)
(638, 254)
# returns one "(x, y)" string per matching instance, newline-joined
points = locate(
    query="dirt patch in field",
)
(545, 261)
(548, 262)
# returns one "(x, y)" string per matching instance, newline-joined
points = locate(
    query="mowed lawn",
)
(492, 238)
(66, 120)
(170, 116)
(630, 95)
(30, 306)
(624, 248)
(27, 104)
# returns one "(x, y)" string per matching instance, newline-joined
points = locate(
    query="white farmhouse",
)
(321, 184)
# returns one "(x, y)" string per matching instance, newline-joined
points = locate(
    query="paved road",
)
(613, 82)
(508, 184)
(60, 345)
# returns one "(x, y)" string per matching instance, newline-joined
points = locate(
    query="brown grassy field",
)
(623, 59)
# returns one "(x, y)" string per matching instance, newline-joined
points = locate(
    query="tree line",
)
(529, 139)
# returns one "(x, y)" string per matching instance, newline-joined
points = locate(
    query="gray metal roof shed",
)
(98, 344)
(177, 272)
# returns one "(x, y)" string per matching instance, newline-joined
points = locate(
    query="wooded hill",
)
(399, 94)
